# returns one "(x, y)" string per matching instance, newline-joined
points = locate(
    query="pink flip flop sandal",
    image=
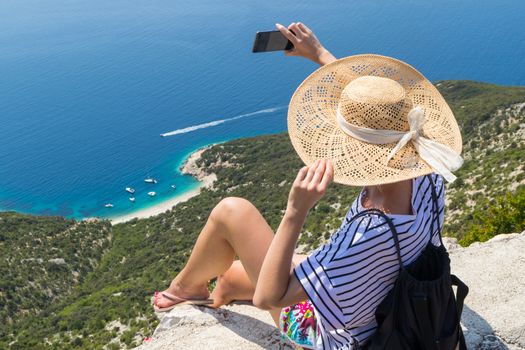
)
(178, 301)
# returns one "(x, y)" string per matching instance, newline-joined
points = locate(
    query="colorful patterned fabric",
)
(298, 324)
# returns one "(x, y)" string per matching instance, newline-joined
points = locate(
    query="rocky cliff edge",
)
(493, 317)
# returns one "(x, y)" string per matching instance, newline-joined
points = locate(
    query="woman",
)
(383, 126)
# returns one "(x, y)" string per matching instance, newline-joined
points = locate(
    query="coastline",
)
(189, 167)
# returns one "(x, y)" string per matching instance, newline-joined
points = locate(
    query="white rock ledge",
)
(230, 327)
(494, 314)
(493, 317)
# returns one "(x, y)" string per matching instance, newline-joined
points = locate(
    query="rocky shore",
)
(189, 167)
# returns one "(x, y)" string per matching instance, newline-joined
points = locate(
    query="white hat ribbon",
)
(441, 158)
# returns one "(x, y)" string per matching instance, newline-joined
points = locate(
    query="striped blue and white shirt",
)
(349, 276)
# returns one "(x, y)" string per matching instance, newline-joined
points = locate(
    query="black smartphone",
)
(271, 41)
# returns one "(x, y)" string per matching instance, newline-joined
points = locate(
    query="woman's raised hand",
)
(305, 43)
(309, 186)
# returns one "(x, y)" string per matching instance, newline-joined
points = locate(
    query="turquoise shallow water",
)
(86, 88)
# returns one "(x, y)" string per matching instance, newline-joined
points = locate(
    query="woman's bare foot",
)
(222, 293)
(232, 285)
(175, 291)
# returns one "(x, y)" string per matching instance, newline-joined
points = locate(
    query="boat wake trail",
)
(219, 121)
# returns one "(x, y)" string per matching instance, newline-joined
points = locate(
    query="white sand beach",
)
(189, 167)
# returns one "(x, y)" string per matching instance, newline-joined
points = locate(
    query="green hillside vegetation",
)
(492, 121)
(109, 306)
(43, 260)
(505, 214)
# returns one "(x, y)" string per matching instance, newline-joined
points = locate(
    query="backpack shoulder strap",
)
(435, 211)
(390, 225)
(461, 293)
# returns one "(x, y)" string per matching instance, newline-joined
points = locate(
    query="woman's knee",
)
(232, 208)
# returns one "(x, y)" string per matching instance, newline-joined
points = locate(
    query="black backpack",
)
(421, 311)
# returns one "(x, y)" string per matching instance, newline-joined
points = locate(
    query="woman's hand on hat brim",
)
(305, 43)
(309, 186)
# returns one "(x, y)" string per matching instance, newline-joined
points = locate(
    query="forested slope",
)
(109, 306)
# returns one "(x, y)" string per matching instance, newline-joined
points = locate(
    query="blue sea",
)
(87, 87)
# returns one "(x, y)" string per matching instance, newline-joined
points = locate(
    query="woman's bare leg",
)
(234, 227)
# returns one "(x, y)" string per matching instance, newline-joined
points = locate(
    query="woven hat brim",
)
(315, 134)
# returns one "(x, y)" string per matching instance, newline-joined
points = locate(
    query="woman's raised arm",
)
(305, 43)
(277, 286)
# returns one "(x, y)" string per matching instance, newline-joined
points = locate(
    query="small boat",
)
(152, 193)
(173, 186)
(132, 199)
(130, 190)
(108, 205)
(150, 180)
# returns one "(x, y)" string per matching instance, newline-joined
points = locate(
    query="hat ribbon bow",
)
(441, 158)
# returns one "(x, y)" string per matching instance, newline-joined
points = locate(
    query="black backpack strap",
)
(392, 319)
(462, 344)
(435, 210)
(462, 289)
(461, 293)
(390, 225)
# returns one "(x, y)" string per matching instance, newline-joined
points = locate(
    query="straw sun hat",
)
(377, 118)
